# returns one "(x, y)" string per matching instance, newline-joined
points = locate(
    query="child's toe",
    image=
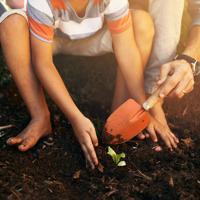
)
(14, 140)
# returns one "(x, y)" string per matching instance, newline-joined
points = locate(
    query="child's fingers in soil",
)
(175, 138)
(152, 133)
(90, 155)
(87, 156)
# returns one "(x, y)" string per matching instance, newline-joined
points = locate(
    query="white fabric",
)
(80, 30)
(115, 5)
(41, 6)
(167, 17)
(12, 12)
(96, 45)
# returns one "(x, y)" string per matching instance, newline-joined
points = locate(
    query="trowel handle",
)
(152, 100)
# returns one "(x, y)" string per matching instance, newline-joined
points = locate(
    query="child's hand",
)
(86, 135)
(155, 128)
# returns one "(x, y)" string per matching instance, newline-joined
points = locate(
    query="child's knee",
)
(14, 22)
(143, 25)
(15, 4)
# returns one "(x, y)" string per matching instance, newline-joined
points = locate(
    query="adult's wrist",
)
(195, 65)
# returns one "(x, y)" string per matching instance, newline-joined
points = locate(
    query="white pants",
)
(167, 16)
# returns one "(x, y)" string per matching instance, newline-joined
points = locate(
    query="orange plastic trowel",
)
(128, 120)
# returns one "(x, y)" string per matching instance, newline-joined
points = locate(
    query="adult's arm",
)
(193, 46)
(181, 79)
(130, 64)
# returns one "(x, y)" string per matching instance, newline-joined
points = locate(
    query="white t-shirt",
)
(48, 16)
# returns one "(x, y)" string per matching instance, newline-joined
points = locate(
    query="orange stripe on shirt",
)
(58, 4)
(120, 25)
(41, 30)
(97, 2)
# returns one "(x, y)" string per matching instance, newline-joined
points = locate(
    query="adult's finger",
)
(164, 72)
(181, 86)
(170, 84)
(190, 87)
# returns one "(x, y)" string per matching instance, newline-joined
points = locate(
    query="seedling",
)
(117, 158)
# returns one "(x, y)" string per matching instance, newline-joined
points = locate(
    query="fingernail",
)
(155, 140)
(10, 140)
(96, 145)
(162, 95)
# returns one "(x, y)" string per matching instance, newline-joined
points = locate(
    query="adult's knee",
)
(12, 25)
(143, 25)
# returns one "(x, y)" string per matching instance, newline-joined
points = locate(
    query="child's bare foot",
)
(36, 129)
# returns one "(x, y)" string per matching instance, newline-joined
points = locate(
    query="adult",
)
(174, 73)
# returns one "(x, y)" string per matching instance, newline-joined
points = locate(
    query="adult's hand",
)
(176, 78)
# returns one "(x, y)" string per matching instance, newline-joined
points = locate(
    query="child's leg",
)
(14, 36)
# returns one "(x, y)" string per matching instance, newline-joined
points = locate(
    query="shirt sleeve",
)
(118, 16)
(195, 12)
(41, 20)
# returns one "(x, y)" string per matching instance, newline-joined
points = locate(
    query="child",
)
(14, 38)
(81, 22)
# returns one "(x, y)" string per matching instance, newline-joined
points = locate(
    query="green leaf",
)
(121, 164)
(122, 155)
(119, 156)
(113, 154)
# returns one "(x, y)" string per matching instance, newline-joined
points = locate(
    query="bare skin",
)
(17, 55)
(144, 43)
(158, 125)
(124, 49)
(15, 4)
(176, 77)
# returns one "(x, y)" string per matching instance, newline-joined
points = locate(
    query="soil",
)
(55, 168)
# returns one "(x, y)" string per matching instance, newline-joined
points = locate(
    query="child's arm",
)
(53, 84)
(42, 33)
(15, 4)
(130, 64)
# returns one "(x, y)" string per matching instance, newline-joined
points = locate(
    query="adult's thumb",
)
(164, 72)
